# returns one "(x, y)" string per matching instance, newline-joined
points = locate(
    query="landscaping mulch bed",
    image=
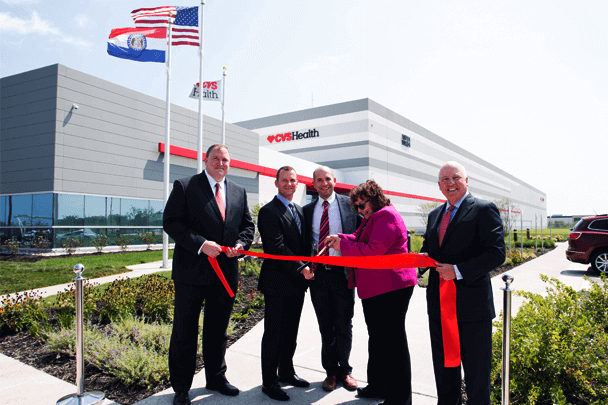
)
(32, 351)
(26, 349)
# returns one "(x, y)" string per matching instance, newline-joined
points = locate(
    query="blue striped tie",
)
(295, 216)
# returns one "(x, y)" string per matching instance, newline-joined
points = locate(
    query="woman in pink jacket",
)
(385, 294)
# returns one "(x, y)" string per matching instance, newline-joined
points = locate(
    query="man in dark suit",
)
(203, 213)
(465, 237)
(333, 301)
(281, 227)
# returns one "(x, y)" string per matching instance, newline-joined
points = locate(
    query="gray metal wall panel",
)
(309, 114)
(29, 130)
(49, 93)
(20, 78)
(46, 117)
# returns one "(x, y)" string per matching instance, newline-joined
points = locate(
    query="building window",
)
(95, 210)
(70, 210)
(42, 209)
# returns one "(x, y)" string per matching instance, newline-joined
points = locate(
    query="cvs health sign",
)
(293, 136)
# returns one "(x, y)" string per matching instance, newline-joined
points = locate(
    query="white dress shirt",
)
(335, 221)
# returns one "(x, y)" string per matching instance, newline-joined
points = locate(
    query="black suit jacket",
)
(350, 220)
(280, 236)
(474, 241)
(192, 216)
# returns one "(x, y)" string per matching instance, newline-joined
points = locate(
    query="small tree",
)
(100, 242)
(425, 209)
(254, 212)
(508, 221)
(148, 238)
(70, 245)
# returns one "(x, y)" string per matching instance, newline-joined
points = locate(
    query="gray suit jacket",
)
(350, 220)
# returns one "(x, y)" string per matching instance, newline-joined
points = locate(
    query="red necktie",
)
(445, 221)
(220, 201)
(324, 228)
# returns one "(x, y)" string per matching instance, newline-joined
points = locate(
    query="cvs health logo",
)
(293, 136)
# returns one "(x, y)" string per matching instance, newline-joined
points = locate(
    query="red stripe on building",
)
(270, 172)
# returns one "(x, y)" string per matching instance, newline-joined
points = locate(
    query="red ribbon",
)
(449, 324)
(447, 289)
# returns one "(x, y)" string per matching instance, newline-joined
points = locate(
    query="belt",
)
(327, 267)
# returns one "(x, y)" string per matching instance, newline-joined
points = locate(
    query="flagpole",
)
(167, 148)
(224, 108)
(199, 156)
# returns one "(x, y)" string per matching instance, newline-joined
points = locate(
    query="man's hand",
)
(308, 273)
(446, 271)
(232, 252)
(211, 248)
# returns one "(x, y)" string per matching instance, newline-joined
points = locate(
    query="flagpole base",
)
(88, 398)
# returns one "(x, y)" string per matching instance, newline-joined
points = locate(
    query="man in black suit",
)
(203, 213)
(465, 237)
(333, 301)
(281, 227)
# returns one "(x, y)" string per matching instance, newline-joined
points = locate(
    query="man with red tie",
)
(203, 213)
(333, 301)
(465, 237)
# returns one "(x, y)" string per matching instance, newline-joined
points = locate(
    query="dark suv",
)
(588, 243)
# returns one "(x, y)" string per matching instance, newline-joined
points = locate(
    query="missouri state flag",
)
(138, 44)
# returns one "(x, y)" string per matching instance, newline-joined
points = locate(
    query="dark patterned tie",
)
(445, 221)
(220, 201)
(324, 228)
(295, 217)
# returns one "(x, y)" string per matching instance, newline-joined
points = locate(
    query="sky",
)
(522, 85)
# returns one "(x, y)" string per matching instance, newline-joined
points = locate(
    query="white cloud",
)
(83, 21)
(19, 2)
(35, 25)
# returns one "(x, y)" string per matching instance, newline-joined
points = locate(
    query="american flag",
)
(180, 17)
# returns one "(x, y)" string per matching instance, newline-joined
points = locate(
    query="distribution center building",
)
(82, 157)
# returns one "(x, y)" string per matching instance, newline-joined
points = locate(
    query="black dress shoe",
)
(275, 392)
(224, 387)
(295, 381)
(181, 398)
(371, 392)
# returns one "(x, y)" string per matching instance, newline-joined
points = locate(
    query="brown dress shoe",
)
(329, 384)
(349, 382)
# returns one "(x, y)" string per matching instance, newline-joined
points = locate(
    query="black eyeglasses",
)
(361, 206)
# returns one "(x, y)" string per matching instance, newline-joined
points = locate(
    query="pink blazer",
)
(383, 234)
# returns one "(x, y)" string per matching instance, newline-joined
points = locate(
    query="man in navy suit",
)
(334, 302)
(203, 213)
(281, 225)
(470, 245)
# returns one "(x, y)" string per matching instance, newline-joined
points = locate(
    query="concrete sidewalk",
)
(21, 384)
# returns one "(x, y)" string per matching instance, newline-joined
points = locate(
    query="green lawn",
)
(19, 276)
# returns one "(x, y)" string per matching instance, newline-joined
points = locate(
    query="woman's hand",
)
(333, 242)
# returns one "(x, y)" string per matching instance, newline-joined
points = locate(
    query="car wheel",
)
(599, 262)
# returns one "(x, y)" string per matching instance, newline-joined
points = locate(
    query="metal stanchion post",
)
(506, 338)
(81, 397)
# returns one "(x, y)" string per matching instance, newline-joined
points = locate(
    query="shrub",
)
(12, 245)
(250, 267)
(148, 238)
(131, 350)
(559, 347)
(65, 306)
(118, 300)
(156, 296)
(23, 311)
(70, 245)
(41, 243)
(123, 241)
(100, 242)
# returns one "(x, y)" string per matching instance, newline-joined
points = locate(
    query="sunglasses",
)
(361, 206)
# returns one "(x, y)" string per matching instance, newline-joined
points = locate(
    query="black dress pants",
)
(476, 358)
(182, 349)
(334, 305)
(388, 366)
(281, 323)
